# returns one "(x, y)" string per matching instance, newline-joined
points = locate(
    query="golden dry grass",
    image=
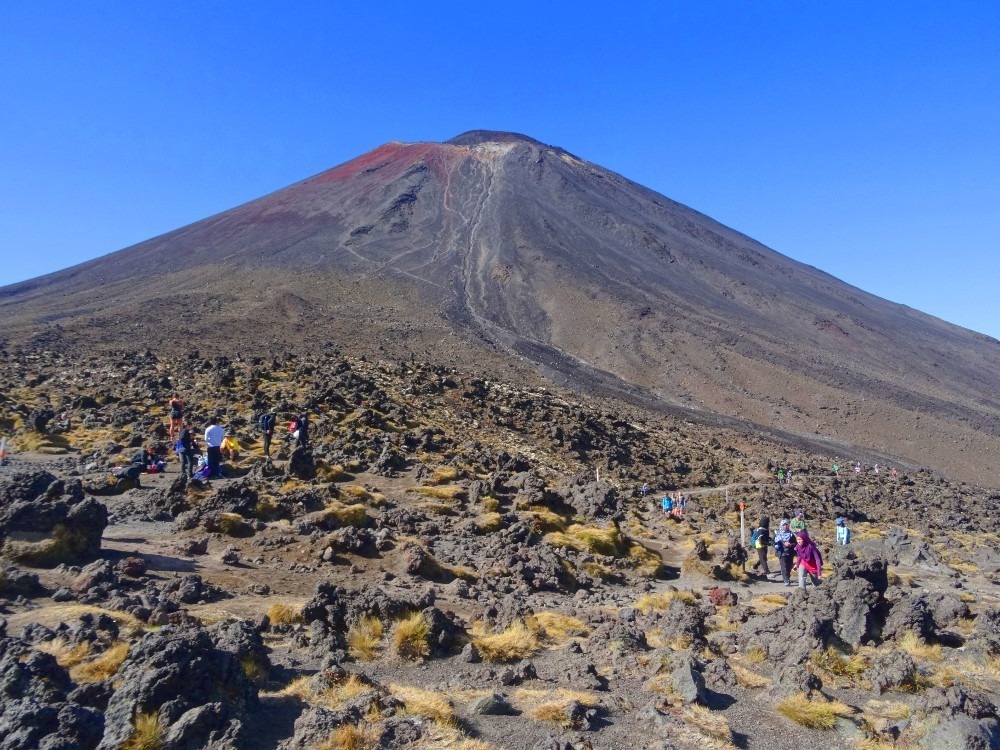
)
(516, 642)
(555, 713)
(353, 737)
(409, 638)
(918, 648)
(833, 662)
(556, 627)
(490, 504)
(355, 515)
(487, 523)
(445, 492)
(708, 723)
(544, 519)
(747, 678)
(104, 665)
(659, 602)
(284, 614)
(332, 696)
(147, 733)
(363, 639)
(330, 473)
(355, 492)
(647, 562)
(66, 655)
(54, 614)
(592, 539)
(232, 524)
(443, 475)
(420, 702)
(755, 655)
(892, 710)
(815, 714)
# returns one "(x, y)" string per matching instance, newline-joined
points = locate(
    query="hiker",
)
(188, 449)
(843, 533)
(645, 490)
(132, 472)
(300, 431)
(230, 448)
(784, 545)
(267, 422)
(808, 560)
(781, 476)
(214, 435)
(667, 504)
(176, 407)
(146, 459)
(681, 504)
(799, 522)
(760, 540)
(836, 469)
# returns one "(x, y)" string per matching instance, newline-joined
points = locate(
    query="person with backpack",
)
(843, 533)
(667, 503)
(300, 431)
(808, 560)
(760, 540)
(784, 546)
(176, 410)
(188, 449)
(267, 422)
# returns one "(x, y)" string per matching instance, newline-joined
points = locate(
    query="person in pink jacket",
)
(808, 560)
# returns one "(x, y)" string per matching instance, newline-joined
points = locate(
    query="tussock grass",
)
(443, 475)
(755, 655)
(544, 519)
(445, 492)
(766, 603)
(490, 504)
(65, 655)
(284, 614)
(353, 737)
(675, 643)
(556, 627)
(555, 713)
(60, 547)
(659, 602)
(363, 639)
(51, 616)
(254, 670)
(592, 539)
(709, 723)
(528, 699)
(918, 648)
(105, 665)
(815, 714)
(647, 562)
(437, 737)
(435, 706)
(833, 662)
(232, 524)
(147, 733)
(332, 697)
(410, 637)
(347, 515)
(598, 570)
(359, 494)
(516, 642)
(747, 678)
(891, 710)
(487, 523)
(330, 473)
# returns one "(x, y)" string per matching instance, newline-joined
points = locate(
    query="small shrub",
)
(232, 524)
(748, 678)
(815, 714)
(516, 642)
(348, 515)
(490, 505)
(708, 722)
(487, 523)
(410, 637)
(364, 637)
(555, 713)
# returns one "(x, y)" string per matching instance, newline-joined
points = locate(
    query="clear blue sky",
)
(862, 138)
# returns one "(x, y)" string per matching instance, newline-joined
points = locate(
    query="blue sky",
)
(860, 138)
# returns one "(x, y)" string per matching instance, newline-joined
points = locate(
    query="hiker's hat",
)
(799, 513)
(784, 522)
(840, 521)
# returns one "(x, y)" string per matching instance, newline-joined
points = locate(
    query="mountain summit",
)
(495, 251)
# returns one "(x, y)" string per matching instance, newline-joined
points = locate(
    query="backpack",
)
(757, 540)
(266, 422)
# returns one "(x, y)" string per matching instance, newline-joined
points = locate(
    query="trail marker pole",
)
(743, 526)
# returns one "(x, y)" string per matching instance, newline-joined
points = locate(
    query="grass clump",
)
(331, 696)
(848, 666)
(490, 504)
(434, 706)
(918, 648)
(516, 642)
(747, 678)
(232, 524)
(659, 602)
(147, 734)
(815, 714)
(328, 473)
(556, 713)
(592, 539)
(755, 655)
(284, 614)
(545, 520)
(487, 523)
(556, 627)
(647, 562)
(708, 723)
(410, 638)
(254, 670)
(364, 637)
(105, 665)
(348, 515)
(353, 737)
(443, 475)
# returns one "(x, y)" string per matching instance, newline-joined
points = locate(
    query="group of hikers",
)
(795, 549)
(207, 464)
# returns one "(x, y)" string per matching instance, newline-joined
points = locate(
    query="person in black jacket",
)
(784, 545)
(188, 449)
(267, 422)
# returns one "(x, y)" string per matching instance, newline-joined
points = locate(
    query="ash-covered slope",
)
(494, 244)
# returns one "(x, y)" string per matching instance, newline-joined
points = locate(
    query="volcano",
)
(495, 252)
